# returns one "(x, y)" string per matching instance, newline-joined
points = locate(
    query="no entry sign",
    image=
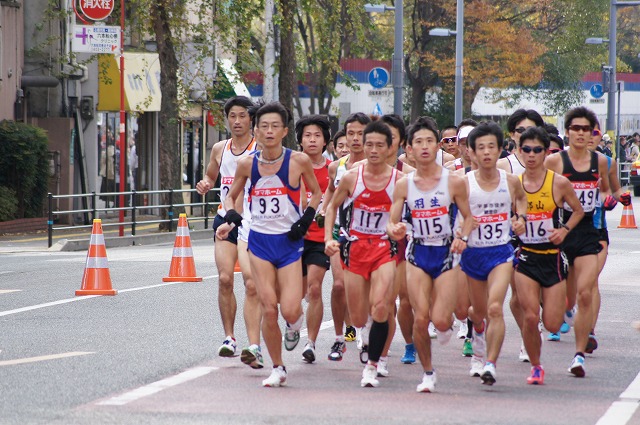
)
(96, 10)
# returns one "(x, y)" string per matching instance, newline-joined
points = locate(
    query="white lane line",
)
(157, 386)
(6, 271)
(44, 358)
(87, 297)
(8, 291)
(620, 412)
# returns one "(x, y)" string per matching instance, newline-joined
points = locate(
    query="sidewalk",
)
(77, 239)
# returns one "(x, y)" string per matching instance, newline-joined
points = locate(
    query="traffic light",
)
(606, 78)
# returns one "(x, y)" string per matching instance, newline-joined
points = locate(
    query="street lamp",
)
(459, 33)
(398, 38)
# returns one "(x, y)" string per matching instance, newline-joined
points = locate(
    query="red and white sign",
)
(96, 10)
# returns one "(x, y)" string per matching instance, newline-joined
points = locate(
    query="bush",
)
(24, 165)
(8, 204)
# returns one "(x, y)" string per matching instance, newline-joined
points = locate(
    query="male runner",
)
(277, 228)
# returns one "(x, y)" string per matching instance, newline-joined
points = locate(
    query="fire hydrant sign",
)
(96, 39)
(96, 10)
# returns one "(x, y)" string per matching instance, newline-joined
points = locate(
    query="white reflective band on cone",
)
(182, 252)
(97, 263)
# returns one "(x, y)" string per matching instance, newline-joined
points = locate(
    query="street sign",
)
(378, 77)
(377, 110)
(96, 10)
(96, 39)
(596, 91)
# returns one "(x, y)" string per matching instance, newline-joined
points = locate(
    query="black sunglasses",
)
(554, 150)
(535, 149)
(453, 139)
(520, 130)
(585, 128)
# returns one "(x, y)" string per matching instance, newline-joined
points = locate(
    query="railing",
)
(624, 168)
(133, 205)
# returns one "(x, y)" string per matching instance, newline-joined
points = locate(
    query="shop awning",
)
(230, 82)
(141, 82)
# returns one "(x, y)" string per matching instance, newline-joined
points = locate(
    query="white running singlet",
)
(430, 211)
(492, 210)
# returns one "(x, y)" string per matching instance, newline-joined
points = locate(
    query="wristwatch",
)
(464, 239)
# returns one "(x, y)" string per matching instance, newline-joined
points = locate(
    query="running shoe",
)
(228, 347)
(488, 374)
(569, 315)
(467, 348)
(592, 344)
(565, 328)
(477, 366)
(577, 366)
(350, 334)
(359, 342)
(252, 356)
(444, 337)
(309, 353)
(537, 376)
(278, 378)
(462, 332)
(337, 349)
(364, 354)
(383, 368)
(432, 331)
(409, 354)
(553, 336)
(291, 338)
(479, 344)
(369, 377)
(428, 384)
(523, 356)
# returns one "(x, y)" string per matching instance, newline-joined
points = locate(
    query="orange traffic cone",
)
(96, 279)
(628, 220)
(183, 268)
(236, 268)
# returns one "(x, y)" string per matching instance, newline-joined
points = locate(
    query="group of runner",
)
(435, 234)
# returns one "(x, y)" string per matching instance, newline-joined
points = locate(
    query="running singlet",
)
(599, 220)
(370, 210)
(542, 213)
(340, 170)
(431, 212)
(458, 164)
(492, 211)
(315, 233)
(228, 165)
(585, 184)
(275, 205)
(516, 166)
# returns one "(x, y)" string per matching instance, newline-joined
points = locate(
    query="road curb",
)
(128, 240)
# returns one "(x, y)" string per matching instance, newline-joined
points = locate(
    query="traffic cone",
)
(236, 268)
(96, 279)
(183, 268)
(628, 220)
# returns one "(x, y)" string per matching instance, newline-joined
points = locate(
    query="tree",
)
(288, 81)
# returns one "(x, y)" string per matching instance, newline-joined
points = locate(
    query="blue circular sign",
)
(596, 91)
(378, 77)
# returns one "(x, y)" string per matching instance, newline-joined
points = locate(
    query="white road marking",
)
(6, 271)
(620, 412)
(157, 386)
(44, 358)
(8, 291)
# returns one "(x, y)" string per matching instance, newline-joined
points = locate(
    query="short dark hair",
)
(357, 116)
(396, 122)
(321, 121)
(536, 133)
(580, 112)
(523, 114)
(554, 134)
(422, 123)
(274, 108)
(380, 128)
(253, 109)
(485, 128)
(448, 127)
(242, 101)
(340, 133)
(468, 122)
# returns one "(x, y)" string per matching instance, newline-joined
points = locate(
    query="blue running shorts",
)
(433, 260)
(276, 249)
(477, 263)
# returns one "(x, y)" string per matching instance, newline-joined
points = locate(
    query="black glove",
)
(233, 217)
(625, 199)
(300, 227)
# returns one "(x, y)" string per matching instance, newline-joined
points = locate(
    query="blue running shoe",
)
(565, 328)
(409, 354)
(553, 337)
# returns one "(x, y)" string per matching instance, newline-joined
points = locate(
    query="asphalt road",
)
(147, 355)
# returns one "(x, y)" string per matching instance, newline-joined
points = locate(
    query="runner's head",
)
(272, 122)
(377, 142)
(354, 127)
(537, 134)
(313, 130)
(522, 119)
(422, 123)
(340, 144)
(398, 130)
(486, 128)
(236, 110)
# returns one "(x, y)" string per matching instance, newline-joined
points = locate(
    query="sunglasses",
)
(597, 132)
(585, 128)
(453, 139)
(520, 130)
(553, 150)
(535, 149)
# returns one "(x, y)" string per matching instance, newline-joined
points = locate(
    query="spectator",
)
(634, 150)
(606, 145)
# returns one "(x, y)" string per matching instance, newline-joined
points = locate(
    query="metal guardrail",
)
(133, 205)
